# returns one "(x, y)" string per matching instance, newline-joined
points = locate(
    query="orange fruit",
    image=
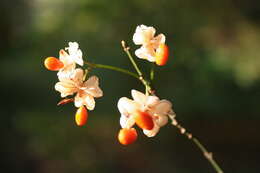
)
(81, 116)
(53, 64)
(144, 120)
(162, 54)
(127, 136)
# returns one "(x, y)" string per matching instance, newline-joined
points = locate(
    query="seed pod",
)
(162, 54)
(81, 116)
(53, 64)
(144, 120)
(127, 136)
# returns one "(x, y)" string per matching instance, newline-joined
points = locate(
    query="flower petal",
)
(78, 101)
(75, 53)
(126, 106)
(65, 88)
(127, 122)
(161, 120)
(92, 88)
(77, 76)
(139, 97)
(77, 57)
(147, 53)
(153, 132)
(90, 102)
(143, 34)
(69, 64)
(162, 108)
(84, 99)
(151, 101)
(63, 56)
(64, 74)
(159, 39)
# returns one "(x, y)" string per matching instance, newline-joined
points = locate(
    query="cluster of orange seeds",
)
(143, 120)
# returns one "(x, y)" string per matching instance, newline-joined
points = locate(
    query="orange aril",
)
(127, 136)
(162, 54)
(53, 64)
(81, 116)
(144, 120)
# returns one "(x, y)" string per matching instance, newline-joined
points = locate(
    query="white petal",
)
(143, 34)
(77, 76)
(73, 47)
(75, 53)
(162, 108)
(139, 97)
(63, 55)
(84, 99)
(161, 120)
(138, 38)
(126, 106)
(65, 88)
(78, 101)
(126, 122)
(141, 53)
(153, 132)
(150, 53)
(159, 39)
(68, 63)
(147, 53)
(64, 74)
(151, 101)
(77, 57)
(92, 88)
(74, 75)
(90, 102)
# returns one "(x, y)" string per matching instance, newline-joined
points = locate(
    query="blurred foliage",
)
(212, 78)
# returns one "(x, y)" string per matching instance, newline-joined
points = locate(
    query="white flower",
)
(156, 108)
(144, 36)
(70, 59)
(85, 91)
(75, 53)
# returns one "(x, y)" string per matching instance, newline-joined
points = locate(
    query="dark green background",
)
(212, 78)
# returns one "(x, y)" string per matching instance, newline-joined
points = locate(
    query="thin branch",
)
(126, 49)
(148, 89)
(112, 68)
(208, 155)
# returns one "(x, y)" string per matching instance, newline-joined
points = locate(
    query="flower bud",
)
(144, 120)
(81, 116)
(127, 136)
(53, 64)
(162, 54)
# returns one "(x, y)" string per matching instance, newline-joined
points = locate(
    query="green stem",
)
(126, 49)
(112, 68)
(148, 89)
(152, 73)
(208, 155)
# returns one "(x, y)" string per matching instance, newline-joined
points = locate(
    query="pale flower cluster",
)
(156, 108)
(70, 59)
(145, 36)
(71, 79)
